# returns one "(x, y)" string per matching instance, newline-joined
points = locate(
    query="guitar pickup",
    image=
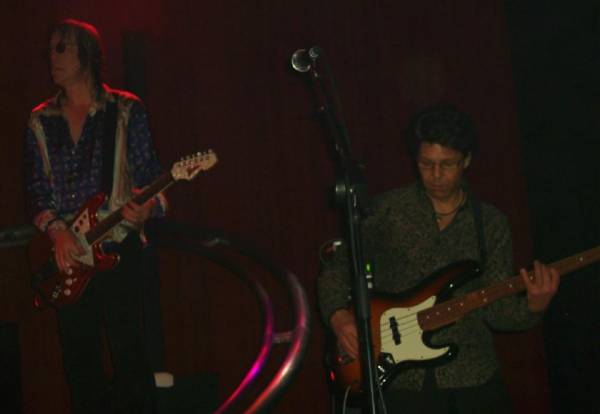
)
(395, 331)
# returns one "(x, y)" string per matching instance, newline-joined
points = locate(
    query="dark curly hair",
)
(443, 125)
(89, 45)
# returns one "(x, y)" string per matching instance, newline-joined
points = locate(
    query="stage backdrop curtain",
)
(218, 77)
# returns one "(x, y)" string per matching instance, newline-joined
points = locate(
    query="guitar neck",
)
(452, 310)
(113, 219)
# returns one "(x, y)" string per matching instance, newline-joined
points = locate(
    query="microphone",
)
(303, 60)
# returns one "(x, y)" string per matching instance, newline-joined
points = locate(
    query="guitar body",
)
(399, 340)
(57, 289)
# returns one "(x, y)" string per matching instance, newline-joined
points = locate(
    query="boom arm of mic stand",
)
(328, 106)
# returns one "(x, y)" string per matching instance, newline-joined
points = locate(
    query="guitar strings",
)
(409, 324)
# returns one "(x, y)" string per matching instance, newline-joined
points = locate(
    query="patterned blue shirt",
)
(75, 169)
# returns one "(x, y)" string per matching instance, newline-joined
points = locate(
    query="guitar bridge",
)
(56, 292)
(385, 364)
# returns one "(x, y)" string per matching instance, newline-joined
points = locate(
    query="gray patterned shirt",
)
(405, 246)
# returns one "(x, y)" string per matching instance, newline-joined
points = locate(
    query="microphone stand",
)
(350, 192)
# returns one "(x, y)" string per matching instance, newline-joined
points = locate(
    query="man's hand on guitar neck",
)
(541, 286)
(344, 326)
(66, 249)
(137, 214)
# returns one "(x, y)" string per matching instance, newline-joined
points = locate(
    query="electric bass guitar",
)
(403, 324)
(57, 289)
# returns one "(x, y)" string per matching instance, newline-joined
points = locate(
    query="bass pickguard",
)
(402, 336)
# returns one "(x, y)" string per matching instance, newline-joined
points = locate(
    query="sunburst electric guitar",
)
(57, 289)
(401, 325)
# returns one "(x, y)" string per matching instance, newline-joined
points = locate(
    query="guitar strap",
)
(477, 216)
(109, 129)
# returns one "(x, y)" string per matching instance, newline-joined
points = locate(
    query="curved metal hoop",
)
(203, 242)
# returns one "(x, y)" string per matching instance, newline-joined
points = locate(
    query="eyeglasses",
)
(447, 165)
(60, 47)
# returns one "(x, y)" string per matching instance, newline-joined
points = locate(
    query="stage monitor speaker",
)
(191, 394)
(10, 369)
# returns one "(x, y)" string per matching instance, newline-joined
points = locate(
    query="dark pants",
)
(489, 398)
(111, 304)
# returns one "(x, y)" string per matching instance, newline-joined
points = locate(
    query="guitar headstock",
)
(189, 167)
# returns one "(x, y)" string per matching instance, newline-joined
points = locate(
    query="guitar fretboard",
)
(452, 310)
(103, 227)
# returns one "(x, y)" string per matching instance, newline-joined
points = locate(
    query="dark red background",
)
(218, 77)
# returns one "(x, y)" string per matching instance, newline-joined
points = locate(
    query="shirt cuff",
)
(47, 220)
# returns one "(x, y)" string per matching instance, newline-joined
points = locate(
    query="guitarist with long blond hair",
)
(418, 231)
(88, 139)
